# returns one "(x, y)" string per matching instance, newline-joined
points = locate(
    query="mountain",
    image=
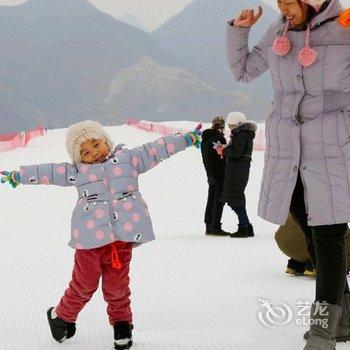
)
(59, 57)
(197, 37)
(133, 21)
(148, 89)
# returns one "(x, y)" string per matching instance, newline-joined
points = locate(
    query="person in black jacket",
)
(215, 169)
(238, 154)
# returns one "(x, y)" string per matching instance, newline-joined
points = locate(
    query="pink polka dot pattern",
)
(115, 203)
(135, 161)
(134, 173)
(79, 246)
(76, 233)
(160, 142)
(45, 180)
(84, 169)
(117, 171)
(99, 213)
(136, 217)
(130, 188)
(112, 190)
(100, 235)
(127, 206)
(153, 151)
(61, 170)
(171, 148)
(93, 177)
(128, 227)
(90, 224)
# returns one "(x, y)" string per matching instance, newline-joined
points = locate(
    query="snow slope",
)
(189, 291)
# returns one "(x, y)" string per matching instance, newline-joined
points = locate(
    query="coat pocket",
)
(133, 223)
(91, 223)
(344, 126)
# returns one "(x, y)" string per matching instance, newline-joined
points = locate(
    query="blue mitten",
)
(13, 178)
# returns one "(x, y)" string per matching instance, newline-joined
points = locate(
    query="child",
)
(109, 218)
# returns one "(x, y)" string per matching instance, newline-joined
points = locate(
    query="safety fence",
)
(11, 141)
(259, 141)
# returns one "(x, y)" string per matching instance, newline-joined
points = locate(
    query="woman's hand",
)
(247, 18)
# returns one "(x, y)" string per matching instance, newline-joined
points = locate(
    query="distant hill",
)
(63, 61)
(197, 37)
(60, 55)
(149, 91)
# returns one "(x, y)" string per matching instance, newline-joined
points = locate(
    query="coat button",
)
(304, 167)
(295, 168)
(299, 77)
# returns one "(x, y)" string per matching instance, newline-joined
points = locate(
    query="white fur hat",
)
(235, 118)
(80, 132)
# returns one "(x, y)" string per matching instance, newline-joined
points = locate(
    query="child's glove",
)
(219, 148)
(194, 137)
(13, 178)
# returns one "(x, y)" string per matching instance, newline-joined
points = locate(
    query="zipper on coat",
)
(111, 215)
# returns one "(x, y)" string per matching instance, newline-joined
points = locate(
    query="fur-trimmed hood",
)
(247, 126)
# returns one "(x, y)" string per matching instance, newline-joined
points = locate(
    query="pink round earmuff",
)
(281, 46)
(307, 55)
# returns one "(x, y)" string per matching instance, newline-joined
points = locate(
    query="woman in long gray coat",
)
(307, 162)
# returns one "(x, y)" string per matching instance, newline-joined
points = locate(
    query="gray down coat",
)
(110, 207)
(308, 129)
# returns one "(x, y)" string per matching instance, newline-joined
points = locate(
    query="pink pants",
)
(89, 266)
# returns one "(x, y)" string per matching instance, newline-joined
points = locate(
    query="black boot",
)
(217, 231)
(251, 230)
(295, 267)
(60, 329)
(207, 229)
(122, 335)
(243, 232)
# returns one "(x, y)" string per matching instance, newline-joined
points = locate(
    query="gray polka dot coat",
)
(110, 207)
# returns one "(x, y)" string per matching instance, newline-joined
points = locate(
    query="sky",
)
(152, 13)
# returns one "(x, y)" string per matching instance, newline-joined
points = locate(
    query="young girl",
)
(109, 218)
(307, 162)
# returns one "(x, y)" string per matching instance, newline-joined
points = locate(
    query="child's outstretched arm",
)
(151, 154)
(62, 174)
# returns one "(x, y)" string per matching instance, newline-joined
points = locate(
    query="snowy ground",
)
(189, 291)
